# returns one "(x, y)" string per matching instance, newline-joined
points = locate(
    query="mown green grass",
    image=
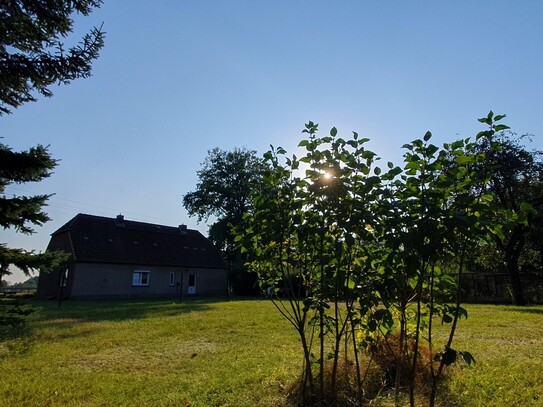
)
(507, 343)
(237, 353)
(200, 353)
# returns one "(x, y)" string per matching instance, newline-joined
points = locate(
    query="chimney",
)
(183, 229)
(119, 221)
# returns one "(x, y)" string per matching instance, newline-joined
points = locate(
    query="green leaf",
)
(449, 356)
(501, 127)
(488, 118)
(485, 133)
(498, 231)
(462, 312)
(468, 358)
(464, 159)
(350, 284)
(526, 207)
(377, 171)
(447, 319)
(333, 132)
(432, 149)
(413, 165)
(427, 136)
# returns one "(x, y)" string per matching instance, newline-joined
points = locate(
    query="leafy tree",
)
(517, 182)
(225, 184)
(351, 255)
(32, 58)
(32, 55)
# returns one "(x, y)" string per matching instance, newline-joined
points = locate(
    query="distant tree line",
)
(32, 282)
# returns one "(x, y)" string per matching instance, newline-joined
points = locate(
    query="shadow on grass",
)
(14, 316)
(529, 309)
(448, 398)
(117, 310)
(15, 327)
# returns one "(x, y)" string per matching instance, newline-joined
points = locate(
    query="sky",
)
(177, 78)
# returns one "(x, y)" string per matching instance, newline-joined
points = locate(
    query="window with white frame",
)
(64, 278)
(140, 278)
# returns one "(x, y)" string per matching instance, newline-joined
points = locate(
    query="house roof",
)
(116, 240)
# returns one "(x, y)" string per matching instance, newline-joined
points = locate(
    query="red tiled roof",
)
(115, 240)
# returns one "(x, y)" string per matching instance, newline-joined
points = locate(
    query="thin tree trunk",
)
(511, 253)
(413, 372)
(437, 377)
(400, 355)
(511, 264)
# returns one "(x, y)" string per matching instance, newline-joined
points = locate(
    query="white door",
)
(192, 284)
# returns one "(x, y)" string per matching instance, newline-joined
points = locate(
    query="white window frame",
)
(141, 278)
(64, 278)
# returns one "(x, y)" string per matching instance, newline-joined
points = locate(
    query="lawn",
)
(237, 353)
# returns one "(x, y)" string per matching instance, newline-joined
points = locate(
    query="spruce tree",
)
(33, 58)
(32, 54)
(20, 212)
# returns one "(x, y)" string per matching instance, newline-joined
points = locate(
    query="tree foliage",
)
(20, 213)
(352, 253)
(32, 54)
(225, 184)
(32, 58)
(517, 183)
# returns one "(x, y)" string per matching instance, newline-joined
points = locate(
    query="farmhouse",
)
(119, 258)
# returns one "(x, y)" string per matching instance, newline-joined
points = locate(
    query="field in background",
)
(237, 353)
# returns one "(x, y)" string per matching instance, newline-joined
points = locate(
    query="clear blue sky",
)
(177, 78)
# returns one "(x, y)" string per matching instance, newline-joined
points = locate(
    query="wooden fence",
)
(496, 287)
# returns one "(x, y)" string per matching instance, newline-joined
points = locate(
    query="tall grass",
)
(237, 353)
